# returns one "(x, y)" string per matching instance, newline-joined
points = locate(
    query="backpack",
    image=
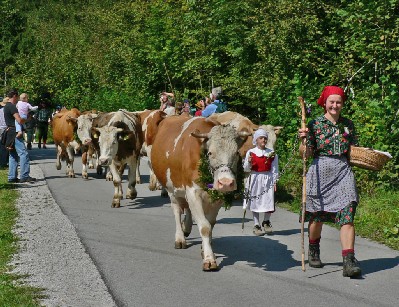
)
(220, 107)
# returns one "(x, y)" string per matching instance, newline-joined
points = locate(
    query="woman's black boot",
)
(351, 266)
(314, 256)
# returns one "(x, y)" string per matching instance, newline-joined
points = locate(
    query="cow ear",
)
(214, 121)
(71, 119)
(95, 132)
(278, 129)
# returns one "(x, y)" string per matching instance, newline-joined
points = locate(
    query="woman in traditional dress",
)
(331, 194)
(262, 162)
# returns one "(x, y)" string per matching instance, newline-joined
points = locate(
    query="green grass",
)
(12, 290)
(377, 215)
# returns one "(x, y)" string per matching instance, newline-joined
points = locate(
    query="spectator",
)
(186, 106)
(200, 105)
(166, 102)
(3, 126)
(43, 119)
(210, 107)
(17, 149)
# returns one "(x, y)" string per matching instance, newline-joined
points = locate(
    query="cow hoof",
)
(71, 175)
(210, 266)
(85, 176)
(116, 203)
(58, 167)
(164, 194)
(180, 245)
(131, 195)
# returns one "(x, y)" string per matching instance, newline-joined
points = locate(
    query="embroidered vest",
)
(261, 164)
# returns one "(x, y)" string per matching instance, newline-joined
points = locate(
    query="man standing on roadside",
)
(19, 151)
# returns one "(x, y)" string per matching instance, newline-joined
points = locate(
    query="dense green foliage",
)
(114, 54)
(12, 292)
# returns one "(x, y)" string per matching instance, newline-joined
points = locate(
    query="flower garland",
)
(206, 178)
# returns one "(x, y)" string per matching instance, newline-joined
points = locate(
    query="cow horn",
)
(244, 133)
(198, 134)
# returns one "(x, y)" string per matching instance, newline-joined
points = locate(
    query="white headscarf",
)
(258, 133)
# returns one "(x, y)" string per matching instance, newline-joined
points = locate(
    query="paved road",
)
(133, 248)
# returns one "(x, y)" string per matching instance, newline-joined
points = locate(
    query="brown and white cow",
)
(64, 126)
(90, 145)
(175, 157)
(150, 120)
(120, 141)
(240, 122)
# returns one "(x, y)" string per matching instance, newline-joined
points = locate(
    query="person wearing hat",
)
(331, 194)
(3, 126)
(262, 163)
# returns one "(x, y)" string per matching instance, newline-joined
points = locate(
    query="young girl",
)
(23, 107)
(262, 162)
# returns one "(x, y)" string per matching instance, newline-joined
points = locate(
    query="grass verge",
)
(13, 292)
(377, 216)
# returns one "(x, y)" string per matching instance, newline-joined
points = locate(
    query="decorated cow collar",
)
(206, 178)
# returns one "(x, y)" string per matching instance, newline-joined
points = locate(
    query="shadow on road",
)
(379, 264)
(260, 252)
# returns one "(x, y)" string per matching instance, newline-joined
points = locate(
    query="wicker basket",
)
(367, 158)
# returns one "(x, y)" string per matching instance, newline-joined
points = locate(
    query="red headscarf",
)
(330, 90)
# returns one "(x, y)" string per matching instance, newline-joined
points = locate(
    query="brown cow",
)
(175, 155)
(64, 126)
(240, 122)
(120, 141)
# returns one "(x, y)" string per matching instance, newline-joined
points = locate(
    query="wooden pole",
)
(303, 126)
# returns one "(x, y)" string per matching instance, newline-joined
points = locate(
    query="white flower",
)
(270, 154)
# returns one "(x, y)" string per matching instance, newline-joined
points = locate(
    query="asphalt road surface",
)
(133, 249)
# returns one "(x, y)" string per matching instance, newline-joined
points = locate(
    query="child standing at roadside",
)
(262, 162)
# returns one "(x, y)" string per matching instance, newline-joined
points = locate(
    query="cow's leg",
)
(116, 201)
(58, 161)
(84, 164)
(90, 157)
(108, 176)
(132, 179)
(153, 179)
(180, 240)
(71, 156)
(138, 176)
(187, 223)
(205, 228)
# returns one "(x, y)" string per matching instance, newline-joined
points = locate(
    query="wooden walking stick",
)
(303, 126)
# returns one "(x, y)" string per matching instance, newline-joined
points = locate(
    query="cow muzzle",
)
(225, 185)
(103, 161)
(87, 142)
